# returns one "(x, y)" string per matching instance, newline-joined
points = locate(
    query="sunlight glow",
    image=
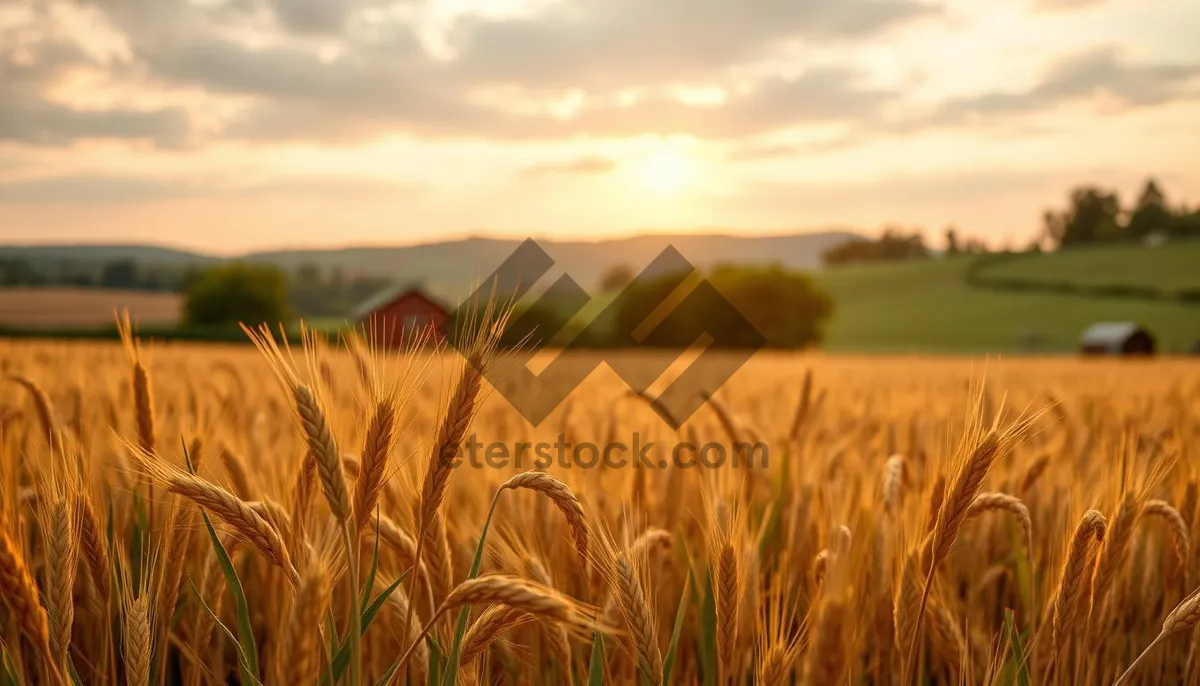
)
(664, 168)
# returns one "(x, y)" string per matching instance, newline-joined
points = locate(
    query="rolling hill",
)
(451, 268)
(928, 306)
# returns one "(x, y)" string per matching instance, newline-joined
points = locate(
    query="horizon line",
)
(459, 238)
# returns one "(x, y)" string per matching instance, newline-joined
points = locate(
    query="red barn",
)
(393, 316)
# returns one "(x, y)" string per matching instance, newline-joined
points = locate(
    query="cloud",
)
(588, 165)
(28, 68)
(817, 95)
(618, 43)
(89, 190)
(38, 122)
(383, 80)
(1096, 71)
(312, 16)
(333, 72)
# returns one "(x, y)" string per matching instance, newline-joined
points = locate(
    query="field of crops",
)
(210, 515)
(60, 307)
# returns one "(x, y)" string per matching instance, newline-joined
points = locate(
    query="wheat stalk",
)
(1117, 545)
(826, 660)
(936, 495)
(1184, 617)
(238, 477)
(298, 658)
(439, 561)
(419, 667)
(1032, 473)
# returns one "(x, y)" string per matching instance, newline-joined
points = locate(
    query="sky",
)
(233, 125)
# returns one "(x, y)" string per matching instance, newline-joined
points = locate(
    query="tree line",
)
(306, 291)
(1093, 215)
(738, 306)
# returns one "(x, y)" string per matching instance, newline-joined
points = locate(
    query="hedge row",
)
(109, 333)
(976, 279)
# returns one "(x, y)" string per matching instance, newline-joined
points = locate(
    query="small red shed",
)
(394, 316)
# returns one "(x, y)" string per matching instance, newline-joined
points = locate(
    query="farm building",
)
(393, 316)
(1116, 338)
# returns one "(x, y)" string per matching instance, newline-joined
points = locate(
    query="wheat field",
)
(190, 514)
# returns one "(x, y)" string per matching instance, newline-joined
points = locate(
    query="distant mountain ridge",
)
(450, 268)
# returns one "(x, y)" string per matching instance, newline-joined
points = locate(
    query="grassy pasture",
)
(1170, 267)
(928, 307)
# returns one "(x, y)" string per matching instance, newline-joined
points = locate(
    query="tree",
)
(119, 274)
(616, 277)
(237, 293)
(784, 307)
(1091, 218)
(952, 241)
(893, 245)
(1151, 213)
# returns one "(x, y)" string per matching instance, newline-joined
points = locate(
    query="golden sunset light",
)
(604, 342)
(223, 117)
(664, 168)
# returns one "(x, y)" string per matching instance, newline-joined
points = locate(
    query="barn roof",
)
(1109, 333)
(391, 294)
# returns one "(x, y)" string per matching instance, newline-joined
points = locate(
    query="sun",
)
(664, 169)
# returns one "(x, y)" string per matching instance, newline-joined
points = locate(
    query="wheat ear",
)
(233, 511)
(323, 448)
(21, 594)
(1091, 527)
(639, 618)
(509, 591)
(483, 631)
(377, 446)
(985, 502)
(952, 514)
(893, 484)
(95, 551)
(563, 498)
(1180, 539)
(60, 534)
(43, 407)
(727, 579)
